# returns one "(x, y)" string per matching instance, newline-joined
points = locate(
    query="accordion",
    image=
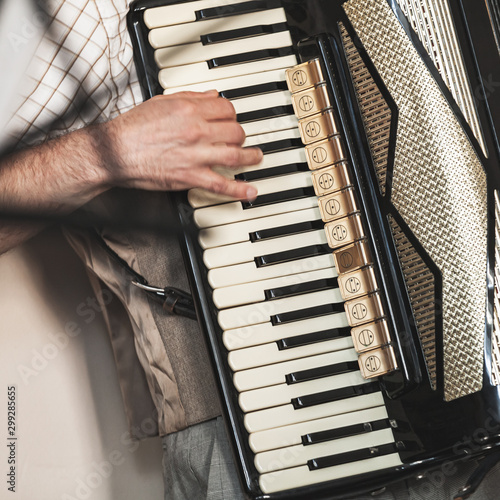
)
(352, 309)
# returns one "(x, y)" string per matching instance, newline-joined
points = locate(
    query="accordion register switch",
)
(339, 209)
(324, 153)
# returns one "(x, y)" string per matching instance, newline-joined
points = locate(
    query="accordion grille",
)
(421, 291)
(374, 109)
(495, 341)
(433, 24)
(377, 122)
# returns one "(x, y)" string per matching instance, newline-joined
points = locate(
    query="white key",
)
(181, 13)
(240, 231)
(180, 55)
(272, 137)
(200, 72)
(297, 155)
(190, 32)
(248, 293)
(294, 456)
(265, 333)
(268, 354)
(289, 435)
(287, 414)
(246, 251)
(277, 123)
(277, 395)
(296, 477)
(244, 273)
(263, 101)
(236, 82)
(269, 160)
(252, 314)
(234, 212)
(263, 376)
(199, 198)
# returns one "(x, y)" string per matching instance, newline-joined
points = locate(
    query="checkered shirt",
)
(82, 71)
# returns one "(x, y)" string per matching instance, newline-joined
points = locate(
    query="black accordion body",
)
(352, 309)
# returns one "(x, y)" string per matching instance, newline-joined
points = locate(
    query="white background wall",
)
(71, 431)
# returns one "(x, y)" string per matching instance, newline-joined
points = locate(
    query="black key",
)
(236, 9)
(278, 197)
(261, 88)
(283, 145)
(310, 312)
(321, 371)
(255, 55)
(342, 432)
(312, 338)
(334, 395)
(300, 288)
(352, 456)
(289, 255)
(275, 232)
(266, 173)
(238, 34)
(262, 114)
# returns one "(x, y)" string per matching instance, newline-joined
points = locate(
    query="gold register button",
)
(337, 205)
(370, 336)
(310, 101)
(304, 76)
(318, 127)
(357, 283)
(331, 179)
(352, 257)
(377, 362)
(326, 158)
(325, 152)
(364, 309)
(344, 231)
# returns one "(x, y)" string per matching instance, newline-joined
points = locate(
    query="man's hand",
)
(168, 142)
(171, 142)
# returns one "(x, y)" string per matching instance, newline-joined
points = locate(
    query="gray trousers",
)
(198, 465)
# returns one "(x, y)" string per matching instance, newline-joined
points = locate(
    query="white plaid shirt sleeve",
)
(82, 72)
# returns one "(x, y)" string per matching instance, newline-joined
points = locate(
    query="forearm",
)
(55, 177)
(167, 143)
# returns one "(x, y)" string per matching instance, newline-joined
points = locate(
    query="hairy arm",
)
(166, 143)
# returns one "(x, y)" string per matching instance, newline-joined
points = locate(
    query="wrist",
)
(97, 145)
(76, 173)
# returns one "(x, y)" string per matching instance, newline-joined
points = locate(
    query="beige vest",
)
(167, 354)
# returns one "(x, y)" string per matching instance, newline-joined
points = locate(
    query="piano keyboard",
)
(309, 410)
